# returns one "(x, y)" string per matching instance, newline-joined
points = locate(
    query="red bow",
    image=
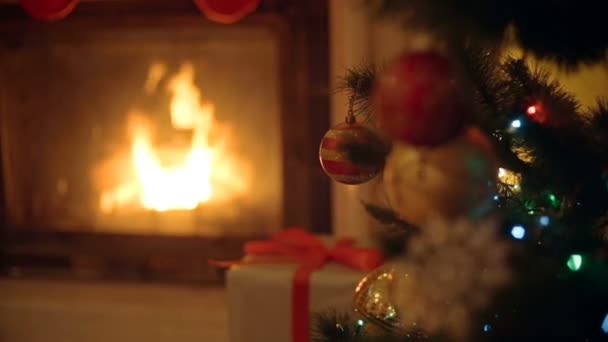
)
(299, 246)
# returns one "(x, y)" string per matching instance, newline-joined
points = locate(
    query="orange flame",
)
(205, 170)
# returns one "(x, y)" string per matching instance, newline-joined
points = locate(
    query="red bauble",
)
(417, 100)
(226, 11)
(337, 155)
(49, 10)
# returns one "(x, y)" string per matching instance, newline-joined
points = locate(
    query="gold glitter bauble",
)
(373, 298)
(451, 180)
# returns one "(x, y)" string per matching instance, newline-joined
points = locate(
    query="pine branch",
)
(491, 95)
(333, 326)
(555, 136)
(481, 66)
(598, 128)
(599, 114)
(358, 82)
(531, 87)
(388, 218)
(566, 156)
(393, 232)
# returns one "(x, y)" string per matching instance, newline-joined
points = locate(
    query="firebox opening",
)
(147, 131)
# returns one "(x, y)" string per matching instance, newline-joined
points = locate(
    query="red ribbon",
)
(300, 246)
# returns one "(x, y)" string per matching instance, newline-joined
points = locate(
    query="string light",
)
(497, 134)
(575, 262)
(553, 200)
(605, 324)
(359, 326)
(516, 123)
(518, 232)
(531, 110)
(487, 328)
(544, 220)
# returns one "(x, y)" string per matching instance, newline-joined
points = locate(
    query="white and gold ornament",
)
(451, 180)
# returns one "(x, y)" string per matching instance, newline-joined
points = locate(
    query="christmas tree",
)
(496, 178)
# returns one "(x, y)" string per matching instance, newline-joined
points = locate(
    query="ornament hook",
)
(350, 115)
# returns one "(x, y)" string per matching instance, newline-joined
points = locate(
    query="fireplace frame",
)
(302, 31)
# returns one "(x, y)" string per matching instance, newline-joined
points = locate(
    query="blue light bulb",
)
(518, 232)
(544, 220)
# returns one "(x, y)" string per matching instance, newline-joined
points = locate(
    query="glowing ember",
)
(168, 177)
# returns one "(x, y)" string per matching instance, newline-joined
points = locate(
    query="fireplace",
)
(139, 140)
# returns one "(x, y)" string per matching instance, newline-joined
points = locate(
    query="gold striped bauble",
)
(351, 153)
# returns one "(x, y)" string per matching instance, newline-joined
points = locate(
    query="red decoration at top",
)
(418, 100)
(226, 11)
(48, 10)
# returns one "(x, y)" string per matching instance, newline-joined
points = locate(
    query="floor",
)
(46, 311)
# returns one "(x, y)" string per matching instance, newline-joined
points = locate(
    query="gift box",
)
(275, 289)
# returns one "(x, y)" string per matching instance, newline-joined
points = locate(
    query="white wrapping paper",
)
(259, 298)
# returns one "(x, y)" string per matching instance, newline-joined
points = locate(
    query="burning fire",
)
(166, 177)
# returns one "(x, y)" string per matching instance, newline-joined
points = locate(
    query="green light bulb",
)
(530, 205)
(575, 262)
(553, 200)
